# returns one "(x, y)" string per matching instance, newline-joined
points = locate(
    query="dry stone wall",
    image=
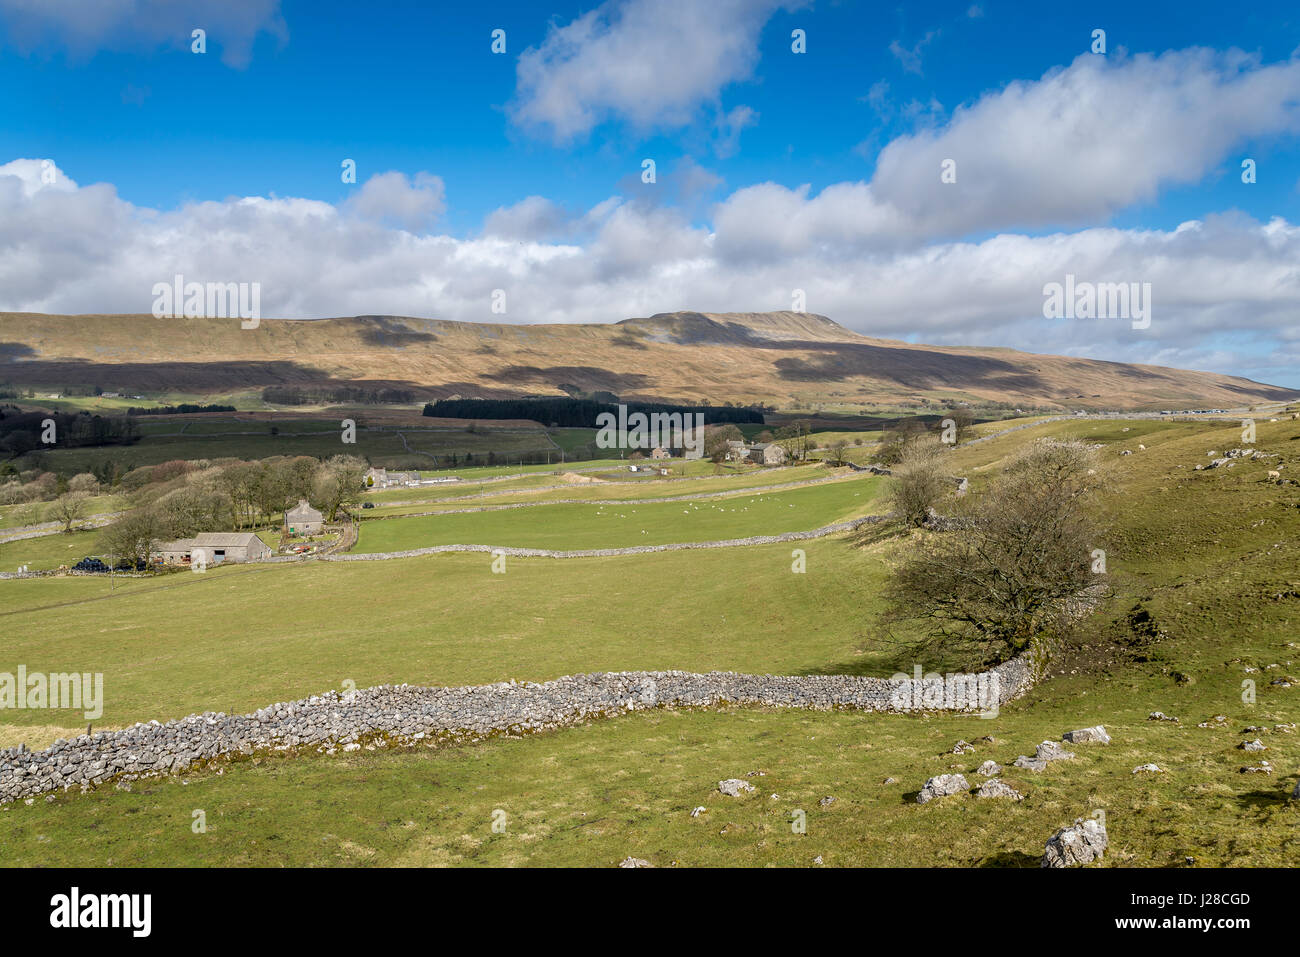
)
(405, 714)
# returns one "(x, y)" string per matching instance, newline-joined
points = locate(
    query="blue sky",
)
(771, 174)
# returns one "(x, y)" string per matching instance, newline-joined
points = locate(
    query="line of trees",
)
(298, 395)
(575, 413)
(22, 432)
(185, 408)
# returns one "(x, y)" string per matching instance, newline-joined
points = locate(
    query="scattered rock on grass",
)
(989, 768)
(1082, 842)
(1148, 769)
(734, 787)
(942, 785)
(997, 788)
(634, 862)
(1094, 735)
(1161, 716)
(1046, 752)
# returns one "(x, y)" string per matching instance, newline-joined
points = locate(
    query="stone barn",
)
(221, 547)
(174, 553)
(302, 519)
(216, 548)
(767, 453)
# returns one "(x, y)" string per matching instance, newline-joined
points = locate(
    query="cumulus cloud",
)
(394, 199)
(1087, 140)
(86, 26)
(651, 63)
(1225, 289)
(1070, 149)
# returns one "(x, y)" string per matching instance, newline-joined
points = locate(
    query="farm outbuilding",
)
(214, 548)
(221, 547)
(302, 519)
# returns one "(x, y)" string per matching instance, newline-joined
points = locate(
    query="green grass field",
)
(34, 513)
(613, 524)
(1212, 556)
(227, 640)
(552, 488)
(48, 551)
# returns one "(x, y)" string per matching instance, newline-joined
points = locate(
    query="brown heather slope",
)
(782, 358)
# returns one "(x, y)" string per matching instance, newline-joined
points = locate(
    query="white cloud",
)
(393, 199)
(1087, 140)
(85, 26)
(652, 63)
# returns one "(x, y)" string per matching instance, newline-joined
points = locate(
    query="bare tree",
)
(339, 483)
(716, 438)
(920, 480)
(1015, 575)
(894, 440)
(84, 482)
(67, 508)
(957, 423)
(134, 536)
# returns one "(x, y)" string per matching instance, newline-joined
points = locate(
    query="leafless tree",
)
(1014, 574)
(67, 508)
(920, 480)
(339, 483)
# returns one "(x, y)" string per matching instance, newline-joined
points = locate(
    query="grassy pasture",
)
(228, 640)
(1212, 556)
(543, 490)
(613, 525)
(48, 551)
(34, 513)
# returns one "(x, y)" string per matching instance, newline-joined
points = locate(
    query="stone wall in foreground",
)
(406, 714)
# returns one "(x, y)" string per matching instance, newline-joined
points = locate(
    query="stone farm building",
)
(767, 453)
(382, 478)
(217, 548)
(762, 453)
(302, 519)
